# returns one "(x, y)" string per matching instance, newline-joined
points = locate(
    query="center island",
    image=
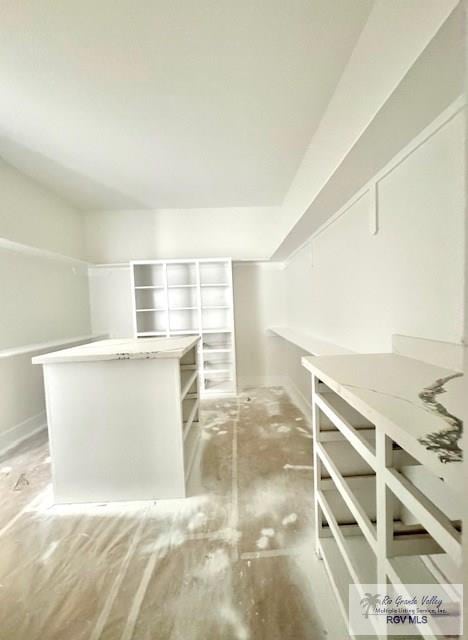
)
(123, 418)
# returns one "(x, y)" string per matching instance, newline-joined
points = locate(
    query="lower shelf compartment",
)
(191, 445)
(216, 386)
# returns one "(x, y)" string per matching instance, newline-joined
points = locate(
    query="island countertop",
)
(122, 349)
(419, 405)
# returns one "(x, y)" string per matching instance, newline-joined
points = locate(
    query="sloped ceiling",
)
(167, 104)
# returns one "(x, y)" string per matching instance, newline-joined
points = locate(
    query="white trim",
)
(444, 118)
(110, 265)
(269, 264)
(15, 435)
(26, 249)
(42, 346)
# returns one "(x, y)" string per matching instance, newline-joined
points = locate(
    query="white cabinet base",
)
(116, 426)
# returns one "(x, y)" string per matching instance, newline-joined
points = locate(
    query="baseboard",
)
(20, 432)
(298, 399)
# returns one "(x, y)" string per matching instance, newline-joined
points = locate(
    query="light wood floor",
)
(234, 561)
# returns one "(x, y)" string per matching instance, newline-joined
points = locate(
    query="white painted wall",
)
(390, 43)
(110, 295)
(41, 299)
(33, 215)
(258, 303)
(356, 289)
(120, 236)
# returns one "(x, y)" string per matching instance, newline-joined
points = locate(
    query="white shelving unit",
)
(386, 505)
(190, 297)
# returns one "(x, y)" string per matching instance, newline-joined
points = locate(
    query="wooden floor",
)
(233, 562)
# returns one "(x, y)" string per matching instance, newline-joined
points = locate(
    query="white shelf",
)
(208, 307)
(191, 444)
(181, 286)
(181, 332)
(216, 367)
(219, 386)
(188, 367)
(189, 297)
(308, 342)
(216, 331)
(190, 420)
(186, 383)
(148, 334)
(215, 284)
(149, 286)
(208, 372)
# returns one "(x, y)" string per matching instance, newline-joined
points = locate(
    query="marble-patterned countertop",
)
(419, 405)
(122, 349)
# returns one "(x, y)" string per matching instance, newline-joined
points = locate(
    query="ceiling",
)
(120, 104)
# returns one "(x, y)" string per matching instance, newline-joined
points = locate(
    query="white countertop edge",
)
(122, 349)
(308, 342)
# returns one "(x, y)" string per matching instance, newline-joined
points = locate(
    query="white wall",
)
(356, 289)
(33, 215)
(120, 236)
(388, 46)
(258, 304)
(41, 299)
(110, 294)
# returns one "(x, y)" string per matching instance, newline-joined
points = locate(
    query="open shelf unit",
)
(189, 409)
(190, 297)
(375, 520)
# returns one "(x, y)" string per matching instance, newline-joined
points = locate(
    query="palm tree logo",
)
(369, 602)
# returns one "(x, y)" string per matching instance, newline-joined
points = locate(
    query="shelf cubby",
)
(151, 321)
(215, 297)
(148, 275)
(217, 341)
(181, 274)
(219, 385)
(183, 320)
(182, 297)
(215, 319)
(214, 272)
(150, 299)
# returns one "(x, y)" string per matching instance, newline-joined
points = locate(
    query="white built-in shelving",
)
(386, 504)
(190, 297)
